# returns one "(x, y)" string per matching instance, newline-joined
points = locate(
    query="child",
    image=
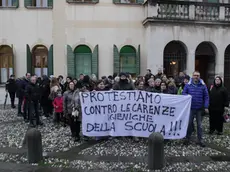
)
(58, 106)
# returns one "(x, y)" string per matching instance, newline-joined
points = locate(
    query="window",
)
(129, 1)
(38, 3)
(82, 1)
(9, 3)
(40, 60)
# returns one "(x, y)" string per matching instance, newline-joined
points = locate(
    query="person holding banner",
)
(200, 99)
(68, 108)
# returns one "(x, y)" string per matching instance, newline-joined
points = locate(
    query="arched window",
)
(6, 62)
(83, 60)
(40, 60)
(205, 61)
(174, 58)
(128, 59)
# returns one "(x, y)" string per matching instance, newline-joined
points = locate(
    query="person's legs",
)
(31, 112)
(199, 127)
(20, 106)
(190, 125)
(211, 121)
(12, 99)
(36, 111)
(219, 122)
(71, 124)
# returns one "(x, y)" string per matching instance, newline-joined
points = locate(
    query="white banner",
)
(134, 113)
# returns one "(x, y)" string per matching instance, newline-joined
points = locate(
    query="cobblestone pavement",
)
(63, 154)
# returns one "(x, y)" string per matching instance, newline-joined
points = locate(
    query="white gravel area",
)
(128, 147)
(120, 166)
(54, 138)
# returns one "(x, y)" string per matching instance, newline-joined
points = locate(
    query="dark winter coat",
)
(11, 86)
(124, 85)
(218, 97)
(45, 90)
(32, 92)
(21, 87)
(152, 89)
(172, 90)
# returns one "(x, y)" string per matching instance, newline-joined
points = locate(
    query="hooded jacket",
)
(218, 97)
(199, 93)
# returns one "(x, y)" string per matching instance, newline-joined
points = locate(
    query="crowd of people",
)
(52, 96)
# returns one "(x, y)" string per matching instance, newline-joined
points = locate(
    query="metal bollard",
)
(156, 156)
(34, 146)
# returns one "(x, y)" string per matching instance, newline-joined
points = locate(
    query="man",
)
(33, 96)
(124, 83)
(200, 99)
(11, 88)
(159, 74)
(22, 104)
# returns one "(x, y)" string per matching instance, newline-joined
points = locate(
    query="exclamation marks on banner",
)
(175, 127)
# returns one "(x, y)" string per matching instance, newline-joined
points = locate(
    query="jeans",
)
(75, 126)
(12, 98)
(195, 113)
(34, 110)
(20, 100)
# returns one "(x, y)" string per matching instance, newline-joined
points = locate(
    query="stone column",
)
(219, 67)
(191, 62)
(59, 38)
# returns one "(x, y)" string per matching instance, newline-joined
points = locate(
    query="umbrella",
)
(6, 96)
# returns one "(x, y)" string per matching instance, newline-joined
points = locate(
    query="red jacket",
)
(58, 104)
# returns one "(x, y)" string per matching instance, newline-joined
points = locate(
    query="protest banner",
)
(134, 113)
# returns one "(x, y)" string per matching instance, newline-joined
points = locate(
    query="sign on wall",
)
(134, 113)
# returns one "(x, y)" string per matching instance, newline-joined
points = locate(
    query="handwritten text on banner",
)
(134, 113)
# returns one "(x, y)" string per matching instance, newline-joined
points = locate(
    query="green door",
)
(83, 62)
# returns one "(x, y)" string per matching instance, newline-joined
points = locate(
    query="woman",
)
(158, 85)
(46, 103)
(172, 89)
(141, 85)
(186, 80)
(164, 88)
(218, 102)
(68, 109)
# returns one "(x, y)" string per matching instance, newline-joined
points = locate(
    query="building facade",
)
(70, 37)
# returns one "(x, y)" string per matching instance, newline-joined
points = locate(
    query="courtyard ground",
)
(63, 155)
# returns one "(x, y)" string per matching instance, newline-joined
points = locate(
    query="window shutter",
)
(70, 62)
(95, 61)
(50, 61)
(116, 1)
(116, 60)
(95, 1)
(27, 3)
(138, 57)
(29, 59)
(50, 3)
(15, 3)
(140, 1)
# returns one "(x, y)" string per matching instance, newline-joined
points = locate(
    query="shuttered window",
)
(128, 1)
(9, 3)
(38, 4)
(82, 1)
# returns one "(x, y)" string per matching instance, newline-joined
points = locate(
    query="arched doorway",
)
(128, 60)
(226, 68)
(6, 63)
(83, 60)
(205, 61)
(40, 60)
(175, 54)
